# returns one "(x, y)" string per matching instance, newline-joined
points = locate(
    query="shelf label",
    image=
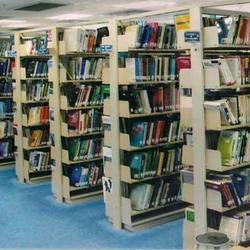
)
(192, 36)
(10, 53)
(107, 187)
(50, 63)
(106, 48)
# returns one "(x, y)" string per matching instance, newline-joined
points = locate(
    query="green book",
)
(226, 145)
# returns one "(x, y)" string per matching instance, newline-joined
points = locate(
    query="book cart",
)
(119, 181)
(62, 188)
(203, 81)
(7, 58)
(31, 117)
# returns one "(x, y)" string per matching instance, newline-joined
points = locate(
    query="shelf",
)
(124, 110)
(82, 81)
(65, 158)
(214, 198)
(213, 160)
(124, 78)
(6, 77)
(126, 176)
(65, 133)
(125, 143)
(65, 105)
(6, 97)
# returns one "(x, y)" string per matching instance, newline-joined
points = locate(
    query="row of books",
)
(36, 90)
(37, 45)
(232, 69)
(234, 188)
(6, 66)
(234, 146)
(80, 121)
(37, 115)
(6, 46)
(155, 163)
(144, 195)
(152, 35)
(39, 160)
(7, 148)
(83, 95)
(153, 133)
(84, 40)
(37, 137)
(36, 67)
(154, 68)
(234, 109)
(6, 88)
(83, 149)
(151, 99)
(84, 69)
(231, 29)
(82, 176)
(6, 128)
(6, 107)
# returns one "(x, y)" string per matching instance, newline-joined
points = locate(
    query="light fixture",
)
(11, 21)
(69, 16)
(144, 4)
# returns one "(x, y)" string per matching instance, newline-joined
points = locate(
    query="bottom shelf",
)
(134, 221)
(79, 194)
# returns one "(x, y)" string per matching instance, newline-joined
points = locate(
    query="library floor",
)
(31, 218)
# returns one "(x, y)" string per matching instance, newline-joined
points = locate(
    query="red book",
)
(153, 39)
(159, 131)
(183, 62)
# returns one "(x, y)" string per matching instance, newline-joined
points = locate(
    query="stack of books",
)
(37, 45)
(7, 148)
(153, 133)
(234, 109)
(151, 99)
(5, 46)
(234, 188)
(84, 69)
(160, 193)
(36, 68)
(80, 122)
(6, 68)
(155, 163)
(37, 137)
(36, 90)
(83, 95)
(6, 128)
(37, 115)
(232, 69)
(84, 40)
(39, 160)
(83, 149)
(152, 35)
(151, 68)
(81, 176)
(6, 107)
(6, 88)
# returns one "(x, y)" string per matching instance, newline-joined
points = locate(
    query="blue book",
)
(75, 175)
(172, 68)
(83, 68)
(241, 185)
(136, 137)
(137, 69)
(136, 165)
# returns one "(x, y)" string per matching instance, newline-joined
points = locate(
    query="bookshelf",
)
(122, 116)
(209, 162)
(76, 125)
(7, 83)
(31, 95)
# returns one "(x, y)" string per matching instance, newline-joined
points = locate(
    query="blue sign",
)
(106, 48)
(11, 53)
(192, 36)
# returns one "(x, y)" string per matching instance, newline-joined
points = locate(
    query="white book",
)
(246, 228)
(130, 65)
(234, 64)
(132, 33)
(230, 35)
(73, 40)
(225, 73)
(98, 71)
(145, 101)
(165, 68)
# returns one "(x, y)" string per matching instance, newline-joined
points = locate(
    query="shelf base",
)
(83, 197)
(155, 220)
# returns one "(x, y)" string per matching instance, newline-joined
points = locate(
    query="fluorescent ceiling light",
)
(144, 4)
(11, 21)
(69, 16)
(20, 25)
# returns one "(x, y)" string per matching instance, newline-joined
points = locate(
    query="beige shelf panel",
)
(214, 199)
(65, 158)
(125, 142)
(107, 169)
(123, 42)
(213, 160)
(186, 111)
(181, 44)
(185, 77)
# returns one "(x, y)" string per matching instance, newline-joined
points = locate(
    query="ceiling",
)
(75, 11)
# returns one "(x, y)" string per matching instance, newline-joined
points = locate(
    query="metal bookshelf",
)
(61, 187)
(23, 169)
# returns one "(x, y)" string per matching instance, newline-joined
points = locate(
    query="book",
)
(39, 160)
(36, 68)
(37, 115)
(36, 90)
(37, 137)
